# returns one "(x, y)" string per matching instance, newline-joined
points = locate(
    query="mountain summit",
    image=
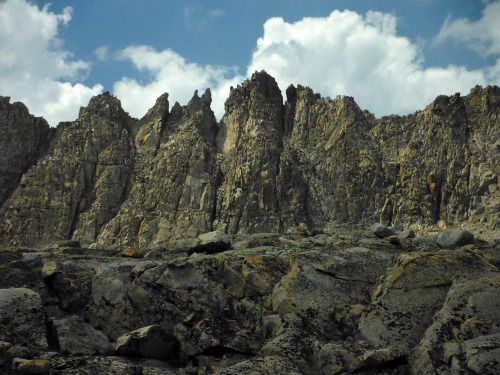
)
(310, 165)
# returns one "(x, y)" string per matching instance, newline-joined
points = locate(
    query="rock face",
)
(79, 184)
(149, 342)
(305, 167)
(247, 201)
(173, 190)
(75, 336)
(23, 139)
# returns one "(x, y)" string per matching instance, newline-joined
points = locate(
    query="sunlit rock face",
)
(308, 166)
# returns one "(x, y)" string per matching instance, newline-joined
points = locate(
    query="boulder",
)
(451, 239)
(395, 240)
(406, 234)
(75, 336)
(109, 306)
(409, 294)
(212, 242)
(151, 341)
(464, 330)
(482, 354)
(21, 317)
(382, 231)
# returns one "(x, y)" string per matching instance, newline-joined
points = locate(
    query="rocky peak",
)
(106, 106)
(251, 138)
(4, 102)
(200, 109)
(158, 111)
(253, 109)
(173, 194)
(196, 102)
(151, 126)
(23, 139)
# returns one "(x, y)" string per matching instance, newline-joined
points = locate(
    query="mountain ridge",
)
(306, 166)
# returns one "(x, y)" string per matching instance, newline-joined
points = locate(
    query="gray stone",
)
(454, 238)
(412, 290)
(381, 230)
(211, 243)
(270, 365)
(404, 235)
(75, 336)
(151, 341)
(21, 317)
(482, 354)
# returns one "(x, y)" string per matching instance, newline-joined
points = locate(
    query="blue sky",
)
(392, 56)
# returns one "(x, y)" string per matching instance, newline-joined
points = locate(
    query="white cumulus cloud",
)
(34, 67)
(170, 72)
(482, 35)
(348, 54)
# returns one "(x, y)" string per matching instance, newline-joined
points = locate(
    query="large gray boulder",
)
(382, 231)
(465, 331)
(212, 242)
(21, 317)
(451, 239)
(77, 337)
(409, 294)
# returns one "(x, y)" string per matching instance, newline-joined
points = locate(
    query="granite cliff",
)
(176, 244)
(308, 166)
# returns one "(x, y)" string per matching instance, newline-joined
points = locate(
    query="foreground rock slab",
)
(21, 317)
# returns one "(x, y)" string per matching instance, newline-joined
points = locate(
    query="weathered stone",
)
(70, 282)
(335, 359)
(151, 342)
(381, 230)
(212, 242)
(16, 351)
(272, 365)
(407, 234)
(394, 240)
(173, 193)
(109, 305)
(315, 165)
(75, 336)
(467, 316)
(23, 139)
(300, 168)
(412, 290)
(78, 185)
(482, 354)
(21, 317)
(454, 238)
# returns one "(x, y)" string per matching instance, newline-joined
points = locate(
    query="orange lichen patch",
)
(130, 254)
(413, 270)
(35, 366)
(255, 260)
